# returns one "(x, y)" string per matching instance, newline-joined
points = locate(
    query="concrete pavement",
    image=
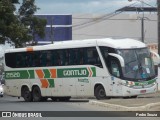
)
(149, 102)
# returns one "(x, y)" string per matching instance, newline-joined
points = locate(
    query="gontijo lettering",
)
(74, 72)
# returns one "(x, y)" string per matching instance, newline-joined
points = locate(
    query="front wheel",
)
(36, 93)
(100, 92)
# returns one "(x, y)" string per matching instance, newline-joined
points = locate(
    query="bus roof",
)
(113, 43)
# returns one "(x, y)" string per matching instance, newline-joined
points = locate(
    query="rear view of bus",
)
(131, 67)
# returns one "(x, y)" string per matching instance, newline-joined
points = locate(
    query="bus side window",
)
(21, 60)
(66, 56)
(81, 56)
(57, 59)
(48, 58)
(76, 56)
(71, 57)
(27, 60)
(60, 58)
(36, 59)
(92, 57)
(53, 57)
(17, 59)
(43, 58)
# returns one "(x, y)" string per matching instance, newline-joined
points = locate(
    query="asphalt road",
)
(8, 103)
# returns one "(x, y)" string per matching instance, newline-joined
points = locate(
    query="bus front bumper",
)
(129, 91)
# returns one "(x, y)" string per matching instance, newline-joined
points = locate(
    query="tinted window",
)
(63, 57)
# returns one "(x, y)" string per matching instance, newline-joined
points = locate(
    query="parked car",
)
(1, 90)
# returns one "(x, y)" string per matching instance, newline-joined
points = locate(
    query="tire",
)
(54, 98)
(26, 94)
(100, 93)
(36, 93)
(44, 99)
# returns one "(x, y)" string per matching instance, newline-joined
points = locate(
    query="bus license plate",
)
(143, 91)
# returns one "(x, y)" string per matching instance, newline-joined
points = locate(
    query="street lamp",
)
(142, 20)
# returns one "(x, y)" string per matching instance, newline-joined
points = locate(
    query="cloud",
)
(79, 6)
(82, 6)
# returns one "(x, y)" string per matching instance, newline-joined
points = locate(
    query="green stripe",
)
(61, 73)
(46, 73)
(23, 74)
(31, 72)
(94, 71)
(51, 83)
(144, 83)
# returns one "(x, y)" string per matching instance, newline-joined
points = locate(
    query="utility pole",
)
(52, 30)
(142, 29)
(142, 19)
(142, 23)
(158, 10)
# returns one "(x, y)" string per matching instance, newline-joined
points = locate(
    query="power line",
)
(99, 19)
(98, 35)
(121, 19)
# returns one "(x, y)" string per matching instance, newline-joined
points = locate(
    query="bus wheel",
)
(26, 94)
(44, 99)
(100, 93)
(36, 93)
(54, 98)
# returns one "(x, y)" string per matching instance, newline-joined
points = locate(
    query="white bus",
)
(102, 68)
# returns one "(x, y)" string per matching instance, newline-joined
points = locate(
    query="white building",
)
(86, 26)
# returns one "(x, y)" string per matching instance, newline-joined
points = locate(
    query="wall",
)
(118, 26)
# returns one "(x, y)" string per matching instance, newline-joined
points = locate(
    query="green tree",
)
(19, 29)
(26, 15)
(11, 29)
(15, 1)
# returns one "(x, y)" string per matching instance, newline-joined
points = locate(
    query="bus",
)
(101, 68)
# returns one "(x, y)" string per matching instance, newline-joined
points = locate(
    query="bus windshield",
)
(138, 64)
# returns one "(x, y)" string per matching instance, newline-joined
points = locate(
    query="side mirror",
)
(155, 57)
(120, 58)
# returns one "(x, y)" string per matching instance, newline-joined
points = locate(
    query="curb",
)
(124, 108)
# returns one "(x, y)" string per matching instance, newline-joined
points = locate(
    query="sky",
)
(80, 7)
(83, 6)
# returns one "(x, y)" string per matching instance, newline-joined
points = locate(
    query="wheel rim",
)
(102, 93)
(26, 94)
